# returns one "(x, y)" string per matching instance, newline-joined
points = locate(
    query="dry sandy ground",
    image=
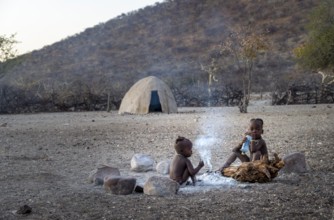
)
(45, 160)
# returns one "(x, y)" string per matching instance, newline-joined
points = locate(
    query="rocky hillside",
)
(169, 40)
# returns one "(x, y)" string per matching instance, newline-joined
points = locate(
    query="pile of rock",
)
(114, 183)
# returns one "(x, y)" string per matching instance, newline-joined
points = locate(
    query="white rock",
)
(142, 163)
(163, 167)
(160, 186)
(294, 163)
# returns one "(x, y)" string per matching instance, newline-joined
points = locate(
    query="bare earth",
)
(45, 161)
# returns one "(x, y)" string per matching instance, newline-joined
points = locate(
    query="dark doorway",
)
(155, 105)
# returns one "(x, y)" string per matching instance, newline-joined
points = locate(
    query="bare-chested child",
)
(181, 167)
(257, 149)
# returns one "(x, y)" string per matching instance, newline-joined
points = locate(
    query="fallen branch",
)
(257, 171)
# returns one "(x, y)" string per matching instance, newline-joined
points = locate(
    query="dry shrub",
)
(261, 171)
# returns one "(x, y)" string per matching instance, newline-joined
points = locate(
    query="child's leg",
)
(229, 161)
(242, 157)
(256, 155)
(185, 176)
(236, 154)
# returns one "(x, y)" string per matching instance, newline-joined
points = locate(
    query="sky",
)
(38, 23)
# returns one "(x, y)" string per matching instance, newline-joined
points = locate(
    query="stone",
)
(142, 163)
(97, 176)
(294, 163)
(163, 167)
(289, 178)
(119, 185)
(160, 186)
(24, 210)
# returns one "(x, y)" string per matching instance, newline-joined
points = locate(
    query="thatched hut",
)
(148, 95)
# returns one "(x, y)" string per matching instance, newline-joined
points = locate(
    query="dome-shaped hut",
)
(148, 95)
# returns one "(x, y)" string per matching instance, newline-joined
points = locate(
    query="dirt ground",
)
(46, 158)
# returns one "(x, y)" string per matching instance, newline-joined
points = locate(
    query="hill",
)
(169, 40)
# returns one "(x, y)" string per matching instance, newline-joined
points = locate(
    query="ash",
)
(209, 181)
(214, 179)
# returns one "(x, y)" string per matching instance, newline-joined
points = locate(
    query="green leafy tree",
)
(317, 53)
(7, 50)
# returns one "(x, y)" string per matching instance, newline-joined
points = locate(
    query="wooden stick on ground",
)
(257, 171)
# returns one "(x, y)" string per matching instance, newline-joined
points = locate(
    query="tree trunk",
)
(209, 89)
(244, 101)
(243, 105)
(108, 102)
(1, 98)
(327, 76)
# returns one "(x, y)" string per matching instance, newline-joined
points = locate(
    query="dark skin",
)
(181, 167)
(258, 147)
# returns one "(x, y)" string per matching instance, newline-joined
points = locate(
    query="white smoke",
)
(205, 142)
(203, 145)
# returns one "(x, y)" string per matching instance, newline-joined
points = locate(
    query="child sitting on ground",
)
(257, 147)
(181, 167)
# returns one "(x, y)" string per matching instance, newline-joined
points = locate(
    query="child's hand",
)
(201, 163)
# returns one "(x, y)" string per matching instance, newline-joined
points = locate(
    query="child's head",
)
(183, 146)
(256, 127)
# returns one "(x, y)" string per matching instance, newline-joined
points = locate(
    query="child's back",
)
(181, 167)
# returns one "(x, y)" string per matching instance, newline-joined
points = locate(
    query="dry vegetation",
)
(169, 40)
(45, 160)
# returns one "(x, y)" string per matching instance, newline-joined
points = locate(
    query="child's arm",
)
(244, 139)
(193, 171)
(264, 151)
(239, 146)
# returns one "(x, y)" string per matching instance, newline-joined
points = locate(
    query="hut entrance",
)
(155, 105)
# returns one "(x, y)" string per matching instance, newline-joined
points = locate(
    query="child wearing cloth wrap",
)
(181, 167)
(257, 146)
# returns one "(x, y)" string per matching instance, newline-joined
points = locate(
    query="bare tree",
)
(211, 70)
(241, 50)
